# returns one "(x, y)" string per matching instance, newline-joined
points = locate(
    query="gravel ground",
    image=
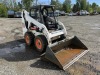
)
(17, 59)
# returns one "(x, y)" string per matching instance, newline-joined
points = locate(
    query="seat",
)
(49, 23)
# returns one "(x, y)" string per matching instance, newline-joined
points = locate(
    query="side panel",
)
(23, 23)
(35, 22)
(64, 29)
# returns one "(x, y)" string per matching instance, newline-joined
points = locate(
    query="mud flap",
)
(66, 52)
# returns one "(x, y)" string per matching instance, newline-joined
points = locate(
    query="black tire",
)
(29, 38)
(42, 44)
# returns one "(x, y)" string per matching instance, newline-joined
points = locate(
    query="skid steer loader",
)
(48, 35)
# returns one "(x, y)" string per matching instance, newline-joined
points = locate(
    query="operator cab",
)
(42, 13)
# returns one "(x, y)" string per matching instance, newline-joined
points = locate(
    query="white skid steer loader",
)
(48, 35)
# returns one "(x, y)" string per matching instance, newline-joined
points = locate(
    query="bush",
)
(3, 10)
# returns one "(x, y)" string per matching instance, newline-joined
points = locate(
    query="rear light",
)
(34, 28)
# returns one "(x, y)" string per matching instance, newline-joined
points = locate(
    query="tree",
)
(27, 4)
(77, 6)
(74, 8)
(91, 10)
(19, 5)
(16, 7)
(3, 10)
(94, 6)
(98, 9)
(83, 4)
(57, 4)
(53, 2)
(67, 5)
(88, 7)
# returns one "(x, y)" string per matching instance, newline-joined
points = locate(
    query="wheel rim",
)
(38, 44)
(27, 39)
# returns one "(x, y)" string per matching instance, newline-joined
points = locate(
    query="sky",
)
(73, 1)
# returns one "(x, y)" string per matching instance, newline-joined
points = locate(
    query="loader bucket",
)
(66, 52)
